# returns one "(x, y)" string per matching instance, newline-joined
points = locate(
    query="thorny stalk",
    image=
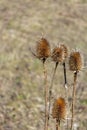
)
(46, 96)
(57, 124)
(66, 95)
(73, 98)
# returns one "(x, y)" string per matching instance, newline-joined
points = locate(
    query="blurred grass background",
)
(22, 23)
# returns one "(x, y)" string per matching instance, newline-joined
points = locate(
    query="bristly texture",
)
(58, 54)
(75, 61)
(65, 49)
(43, 49)
(59, 109)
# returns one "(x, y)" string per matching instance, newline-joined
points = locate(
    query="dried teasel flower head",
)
(43, 49)
(65, 49)
(59, 109)
(75, 61)
(58, 54)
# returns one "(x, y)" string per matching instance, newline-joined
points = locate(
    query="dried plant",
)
(59, 55)
(75, 61)
(43, 52)
(59, 111)
(65, 49)
(43, 49)
(75, 65)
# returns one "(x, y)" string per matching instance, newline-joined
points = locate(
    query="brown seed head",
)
(58, 54)
(43, 49)
(59, 109)
(65, 50)
(75, 61)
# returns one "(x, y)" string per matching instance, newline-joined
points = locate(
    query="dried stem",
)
(65, 85)
(73, 98)
(46, 96)
(65, 78)
(50, 89)
(57, 124)
(66, 95)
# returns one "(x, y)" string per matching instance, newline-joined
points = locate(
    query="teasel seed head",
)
(65, 49)
(75, 61)
(58, 54)
(43, 49)
(59, 109)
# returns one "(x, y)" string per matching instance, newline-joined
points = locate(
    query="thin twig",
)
(46, 96)
(73, 99)
(33, 52)
(50, 89)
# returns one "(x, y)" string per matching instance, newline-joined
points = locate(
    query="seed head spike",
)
(75, 61)
(43, 49)
(65, 49)
(59, 109)
(58, 54)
